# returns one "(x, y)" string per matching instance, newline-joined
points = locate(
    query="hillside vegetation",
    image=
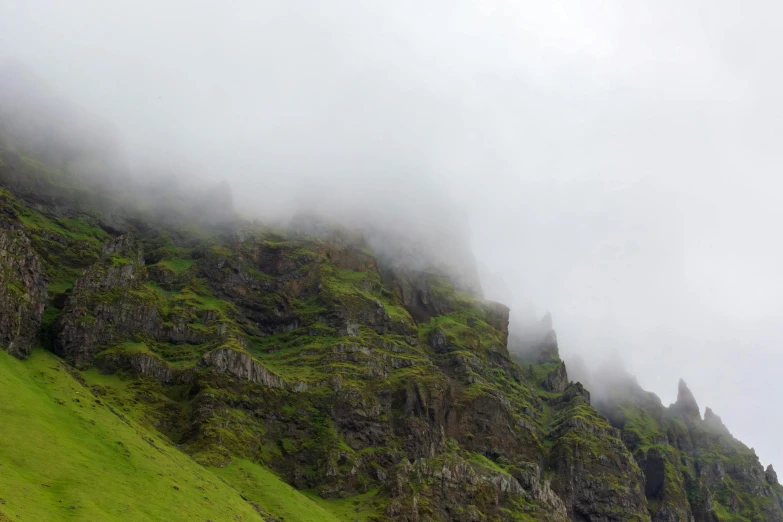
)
(172, 367)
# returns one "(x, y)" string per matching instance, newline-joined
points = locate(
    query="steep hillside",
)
(374, 390)
(66, 455)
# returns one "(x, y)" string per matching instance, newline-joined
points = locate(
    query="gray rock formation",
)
(686, 405)
(770, 475)
(23, 293)
(714, 422)
(101, 302)
(556, 380)
(241, 365)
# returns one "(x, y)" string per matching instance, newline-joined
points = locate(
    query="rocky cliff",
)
(22, 293)
(694, 469)
(347, 375)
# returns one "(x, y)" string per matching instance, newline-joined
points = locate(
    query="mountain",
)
(695, 468)
(174, 362)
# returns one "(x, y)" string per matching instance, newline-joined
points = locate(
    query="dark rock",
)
(241, 365)
(357, 397)
(460, 491)
(143, 365)
(23, 293)
(578, 458)
(714, 422)
(439, 341)
(686, 405)
(556, 380)
(770, 475)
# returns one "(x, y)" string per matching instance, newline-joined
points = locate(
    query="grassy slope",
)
(56, 453)
(253, 481)
(263, 487)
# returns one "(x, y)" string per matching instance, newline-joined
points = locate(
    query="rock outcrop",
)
(142, 365)
(686, 405)
(592, 486)
(350, 374)
(556, 380)
(771, 476)
(693, 468)
(23, 294)
(103, 307)
(242, 366)
(714, 422)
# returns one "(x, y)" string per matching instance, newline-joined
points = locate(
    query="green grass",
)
(483, 461)
(62, 279)
(196, 293)
(641, 422)
(724, 515)
(132, 347)
(178, 266)
(65, 245)
(75, 229)
(357, 508)
(181, 355)
(259, 485)
(61, 447)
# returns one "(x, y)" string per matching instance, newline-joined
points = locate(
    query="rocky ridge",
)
(349, 376)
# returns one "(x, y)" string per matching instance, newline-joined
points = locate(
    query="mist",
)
(616, 166)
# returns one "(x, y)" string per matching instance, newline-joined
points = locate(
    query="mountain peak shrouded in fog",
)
(686, 403)
(616, 166)
(54, 129)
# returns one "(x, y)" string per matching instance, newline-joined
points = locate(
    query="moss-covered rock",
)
(349, 375)
(693, 467)
(23, 294)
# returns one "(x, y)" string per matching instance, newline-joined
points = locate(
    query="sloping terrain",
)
(66, 455)
(373, 390)
(694, 467)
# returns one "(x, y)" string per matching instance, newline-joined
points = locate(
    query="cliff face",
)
(351, 376)
(694, 468)
(22, 293)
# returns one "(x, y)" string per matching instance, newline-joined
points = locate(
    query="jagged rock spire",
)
(556, 380)
(714, 421)
(771, 476)
(686, 403)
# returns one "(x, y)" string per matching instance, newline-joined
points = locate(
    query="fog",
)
(616, 165)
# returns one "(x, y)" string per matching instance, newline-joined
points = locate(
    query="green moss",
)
(398, 313)
(73, 229)
(61, 279)
(364, 507)
(483, 461)
(132, 347)
(178, 266)
(65, 245)
(16, 288)
(465, 322)
(118, 260)
(196, 293)
(723, 514)
(641, 422)
(51, 314)
(308, 309)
